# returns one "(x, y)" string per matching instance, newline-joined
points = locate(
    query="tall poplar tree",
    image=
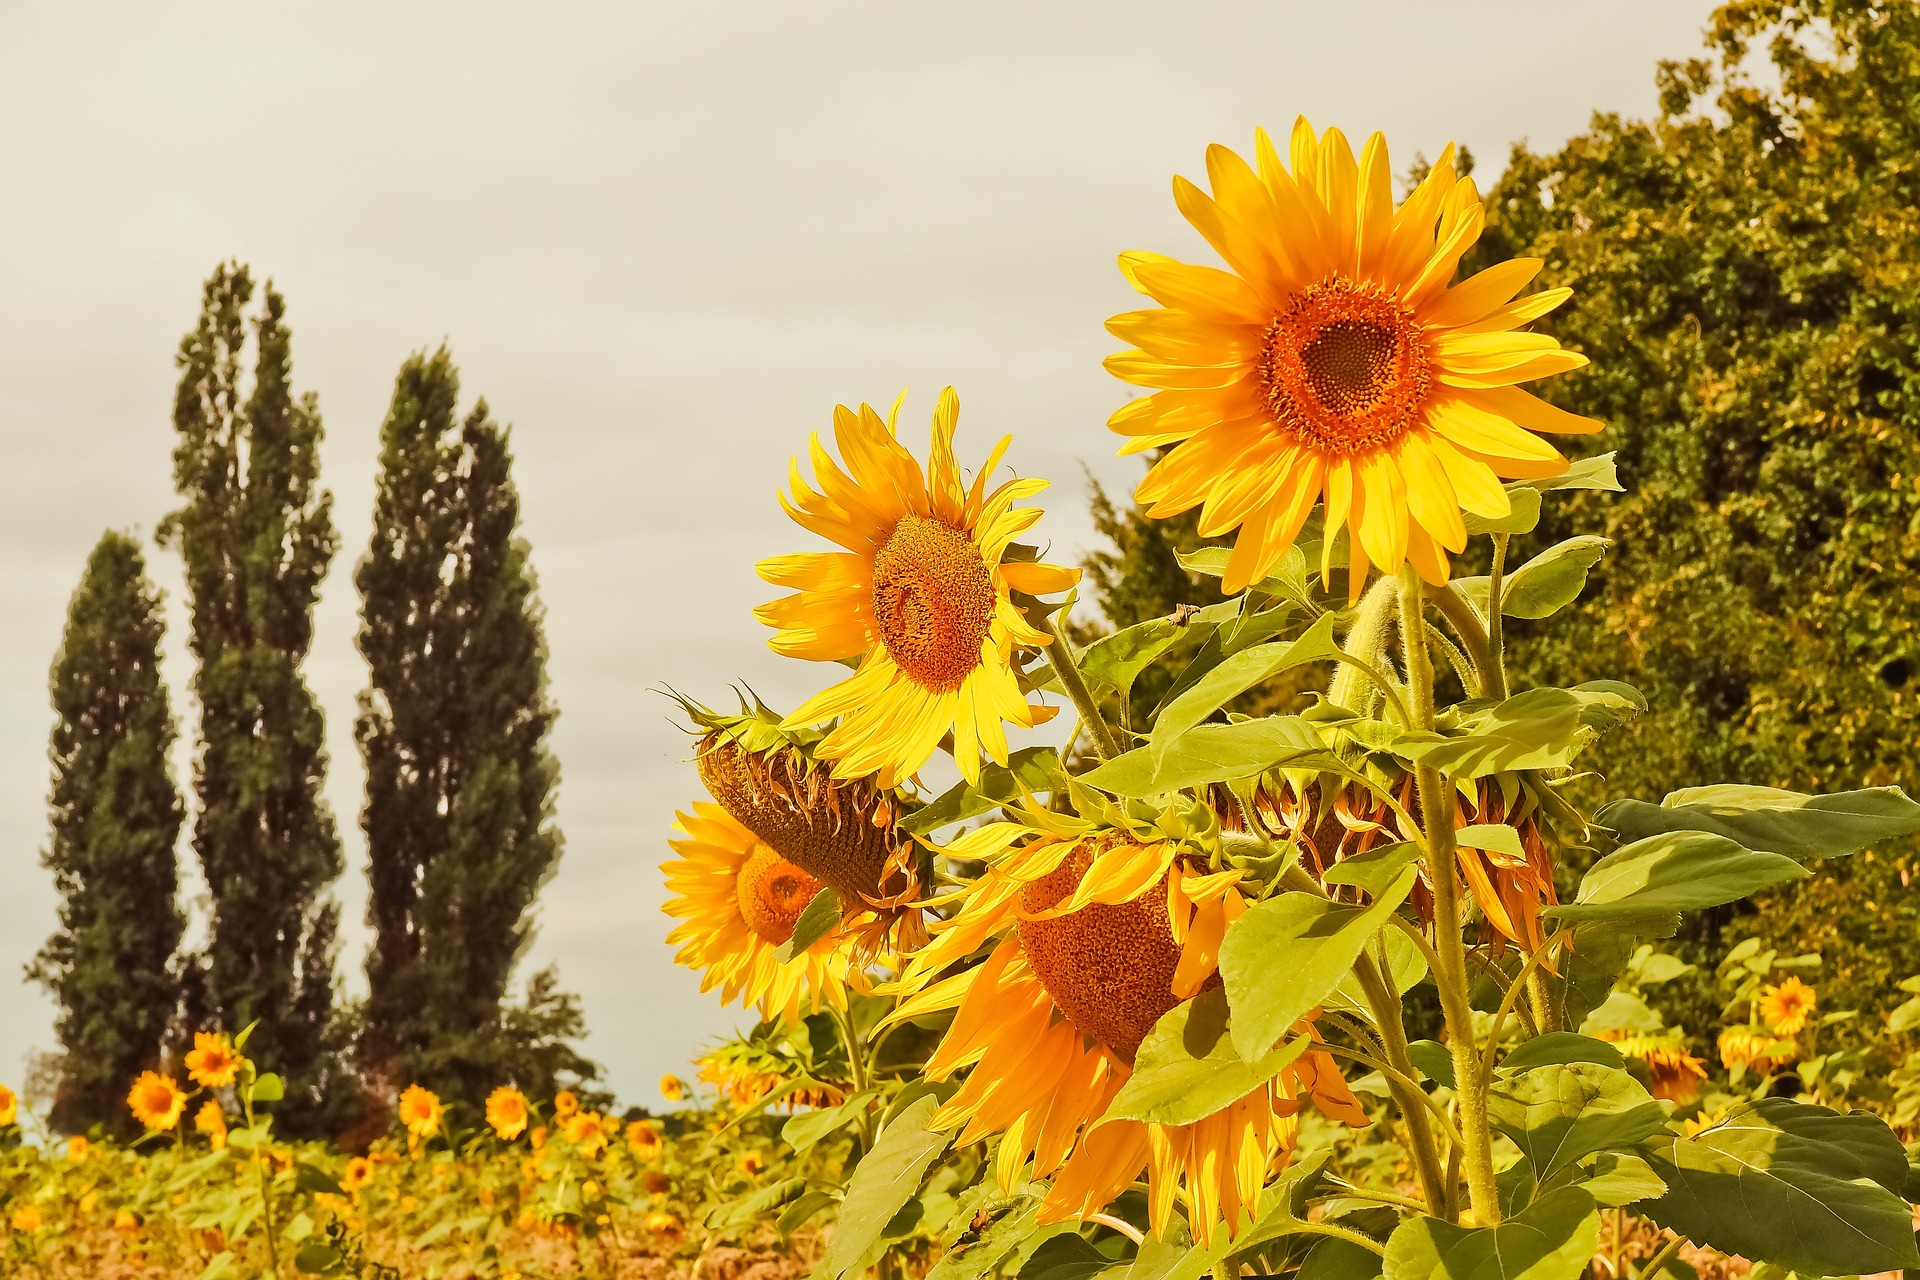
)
(459, 811)
(116, 816)
(256, 533)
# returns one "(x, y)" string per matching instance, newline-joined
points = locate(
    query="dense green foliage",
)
(116, 814)
(459, 808)
(1745, 271)
(256, 533)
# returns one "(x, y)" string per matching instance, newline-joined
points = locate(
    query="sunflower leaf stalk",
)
(1060, 656)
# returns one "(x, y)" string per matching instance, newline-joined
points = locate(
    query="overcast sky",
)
(662, 240)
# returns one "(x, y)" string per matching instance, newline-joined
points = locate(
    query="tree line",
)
(452, 728)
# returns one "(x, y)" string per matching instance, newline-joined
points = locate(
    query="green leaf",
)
(1035, 768)
(1376, 869)
(1553, 1239)
(1597, 472)
(1905, 1017)
(308, 1177)
(1233, 677)
(1065, 1257)
(1494, 837)
(1012, 1230)
(268, 1088)
(1288, 580)
(1116, 661)
(801, 1210)
(806, 1128)
(1285, 955)
(1560, 1114)
(1769, 820)
(1434, 1059)
(883, 1182)
(1792, 1184)
(1187, 1069)
(1562, 1046)
(1406, 967)
(820, 917)
(1525, 514)
(1537, 729)
(1336, 1259)
(1618, 1178)
(1677, 871)
(1282, 1213)
(1553, 579)
(319, 1259)
(1210, 753)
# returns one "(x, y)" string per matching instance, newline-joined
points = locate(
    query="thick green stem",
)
(1060, 655)
(1668, 1252)
(857, 1075)
(1474, 638)
(1384, 1003)
(1496, 667)
(1436, 820)
(1367, 642)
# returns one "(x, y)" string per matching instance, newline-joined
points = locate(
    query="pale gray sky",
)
(663, 240)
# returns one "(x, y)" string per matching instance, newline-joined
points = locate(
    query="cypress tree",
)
(256, 533)
(453, 728)
(116, 816)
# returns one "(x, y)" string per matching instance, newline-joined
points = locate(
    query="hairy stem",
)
(1060, 655)
(1496, 665)
(1366, 643)
(1413, 1101)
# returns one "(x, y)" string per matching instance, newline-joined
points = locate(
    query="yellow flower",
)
(26, 1218)
(279, 1160)
(212, 1062)
(1102, 933)
(672, 1088)
(1672, 1072)
(739, 901)
(587, 1130)
(1701, 1123)
(156, 1101)
(921, 595)
(1785, 1008)
(507, 1112)
(90, 1200)
(643, 1139)
(1336, 359)
(1744, 1048)
(212, 1122)
(9, 1106)
(565, 1104)
(125, 1223)
(538, 1138)
(753, 1163)
(420, 1111)
(408, 1203)
(664, 1225)
(78, 1149)
(359, 1173)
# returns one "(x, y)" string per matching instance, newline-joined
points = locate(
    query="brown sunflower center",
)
(1345, 366)
(933, 599)
(772, 893)
(1108, 968)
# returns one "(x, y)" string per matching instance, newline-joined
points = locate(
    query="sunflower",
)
(672, 1087)
(210, 1120)
(738, 901)
(79, 1150)
(1335, 361)
(1104, 932)
(420, 1111)
(1785, 1008)
(565, 1103)
(212, 1061)
(1672, 1072)
(643, 1139)
(156, 1101)
(1750, 1049)
(587, 1131)
(921, 595)
(359, 1173)
(9, 1106)
(507, 1111)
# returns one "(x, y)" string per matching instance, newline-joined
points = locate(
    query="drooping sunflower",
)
(1336, 360)
(1103, 932)
(1672, 1072)
(921, 595)
(1750, 1049)
(507, 1112)
(738, 901)
(1786, 1007)
(212, 1062)
(156, 1101)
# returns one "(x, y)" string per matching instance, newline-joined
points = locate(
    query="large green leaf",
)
(883, 1182)
(1233, 677)
(1032, 768)
(1537, 729)
(1523, 514)
(1678, 871)
(1773, 821)
(1116, 661)
(1551, 580)
(1210, 753)
(1561, 1046)
(1336, 1259)
(1065, 1257)
(1406, 967)
(1187, 1069)
(1597, 472)
(1562, 1113)
(1287, 954)
(1553, 1239)
(1793, 1184)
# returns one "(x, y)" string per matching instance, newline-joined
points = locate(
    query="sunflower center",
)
(1345, 367)
(933, 599)
(1109, 968)
(772, 893)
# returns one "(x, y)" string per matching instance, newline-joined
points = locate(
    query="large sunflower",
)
(920, 596)
(738, 901)
(1104, 933)
(1337, 359)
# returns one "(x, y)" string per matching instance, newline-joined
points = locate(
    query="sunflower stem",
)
(856, 1068)
(1384, 1003)
(1436, 812)
(1496, 665)
(1366, 647)
(1060, 656)
(1655, 1264)
(1466, 622)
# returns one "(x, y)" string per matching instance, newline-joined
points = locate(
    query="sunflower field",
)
(1321, 961)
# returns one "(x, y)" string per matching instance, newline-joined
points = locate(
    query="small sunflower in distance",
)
(1338, 360)
(507, 1112)
(643, 1139)
(212, 1121)
(565, 1103)
(420, 1111)
(672, 1087)
(212, 1062)
(156, 1101)
(9, 1106)
(921, 595)
(738, 902)
(1785, 1008)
